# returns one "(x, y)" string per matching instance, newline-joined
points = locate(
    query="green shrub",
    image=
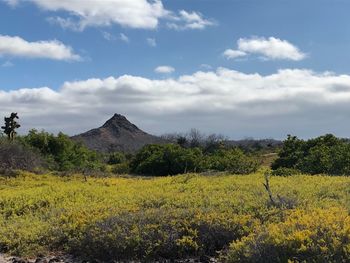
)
(116, 158)
(62, 153)
(121, 168)
(324, 154)
(166, 159)
(233, 160)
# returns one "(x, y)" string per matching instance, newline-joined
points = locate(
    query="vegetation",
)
(61, 153)
(177, 217)
(15, 156)
(172, 159)
(232, 160)
(239, 215)
(325, 154)
(167, 159)
(11, 125)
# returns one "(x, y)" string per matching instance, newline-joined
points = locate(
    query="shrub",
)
(316, 236)
(62, 153)
(324, 154)
(158, 234)
(121, 168)
(233, 160)
(116, 158)
(14, 155)
(166, 159)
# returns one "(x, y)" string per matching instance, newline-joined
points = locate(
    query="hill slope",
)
(117, 134)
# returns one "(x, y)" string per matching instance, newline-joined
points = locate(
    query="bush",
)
(325, 154)
(116, 158)
(166, 159)
(121, 168)
(15, 156)
(233, 160)
(317, 236)
(62, 153)
(158, 234)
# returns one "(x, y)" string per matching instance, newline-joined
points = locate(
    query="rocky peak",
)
(118, 122)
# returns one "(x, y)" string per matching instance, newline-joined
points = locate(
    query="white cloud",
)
(234, 103)
(151, 42)
(52, 49)
(65, 23)
(272, 48)
(128, 13)
(164, 69)
(124, 38)
(142, 14)
(110, 37)
(189, 20)
(233, 53)
(269, 48)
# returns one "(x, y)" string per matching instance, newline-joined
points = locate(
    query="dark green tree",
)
(11, 125)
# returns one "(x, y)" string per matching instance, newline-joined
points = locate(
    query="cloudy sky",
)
(242, 68)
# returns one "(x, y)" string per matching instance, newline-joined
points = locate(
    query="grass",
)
(228, 216)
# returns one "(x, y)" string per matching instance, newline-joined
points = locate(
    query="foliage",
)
(302, 236)
(14, 155)
(166, 159)
(62, 153)
(116, 158)
(171, 159)
(233, 160)
(324, 154)
(148, 219)
(121, 168)
(158, 234)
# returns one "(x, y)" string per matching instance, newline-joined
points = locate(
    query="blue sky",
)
(291, 46)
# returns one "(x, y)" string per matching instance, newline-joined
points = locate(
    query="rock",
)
(18, 260)
(117, 134)
(41, 260)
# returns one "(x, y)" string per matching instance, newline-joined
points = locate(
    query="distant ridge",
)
(117, 134)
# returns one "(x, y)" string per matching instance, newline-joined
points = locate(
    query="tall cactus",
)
(11, 125)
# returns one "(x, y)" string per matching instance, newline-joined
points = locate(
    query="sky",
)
(240, 68)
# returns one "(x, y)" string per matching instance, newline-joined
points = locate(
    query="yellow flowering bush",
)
(135, 218)
(319, 235)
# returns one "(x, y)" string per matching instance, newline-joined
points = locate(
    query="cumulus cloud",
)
(189, 20)
(232, 53)
(269, 48)
(128, 13)
(164, 69)
(142, 14)
(52, 49)
(234, 103)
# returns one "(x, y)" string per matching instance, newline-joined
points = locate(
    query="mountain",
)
(117, 134)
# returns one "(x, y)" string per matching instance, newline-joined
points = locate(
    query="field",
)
(229, 217)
